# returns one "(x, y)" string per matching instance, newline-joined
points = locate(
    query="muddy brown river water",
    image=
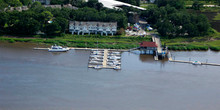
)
(40, 80)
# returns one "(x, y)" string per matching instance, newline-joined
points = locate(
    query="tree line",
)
(171, 19)
(54, 21)
(14, 3)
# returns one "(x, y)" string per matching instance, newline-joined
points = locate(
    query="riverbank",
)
(86, 41)
(196, 43)
(121, 42)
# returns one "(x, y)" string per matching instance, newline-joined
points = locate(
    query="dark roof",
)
(148, 44)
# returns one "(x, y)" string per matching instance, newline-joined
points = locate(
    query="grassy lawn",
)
(210, 9)
(196, 43)
(122, 42)
(92, 41)
(217, 17)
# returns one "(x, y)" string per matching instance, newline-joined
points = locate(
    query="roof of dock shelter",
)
(148, 44)
(114, 4)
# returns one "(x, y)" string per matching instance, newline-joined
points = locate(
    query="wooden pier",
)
(190, 62)
(76, 48)
(41, 48)
(160, 52)
(111, 58)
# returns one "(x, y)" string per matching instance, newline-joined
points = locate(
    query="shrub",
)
(11, 41)
(215, 48)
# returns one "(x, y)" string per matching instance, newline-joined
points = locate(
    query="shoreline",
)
(122, 43)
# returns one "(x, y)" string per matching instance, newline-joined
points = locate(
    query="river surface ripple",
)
(40, 80)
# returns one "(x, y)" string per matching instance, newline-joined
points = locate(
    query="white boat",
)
(98, 67)
(117, 67)
(96, 56)
(56, 48)
(114, 57)
(97, 52)
(196, 63)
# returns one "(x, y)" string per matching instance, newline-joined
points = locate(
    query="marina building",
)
(148, 47)
(88, 27)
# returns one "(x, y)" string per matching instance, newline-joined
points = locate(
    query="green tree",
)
(152, 14)
(46, 15)
(52, 29)
(65, 13)
(26, 2)
(78, 3)
(191, 29)
(92, 3)
(63, 23)
(99, 6)
(22, 23)
(37, 7)
(3, 5)
(26, 26)
(13, 3)
(197, 5)
(203, 24)
(3, 20)
(178, 4)
(54, 2)
(165, 28)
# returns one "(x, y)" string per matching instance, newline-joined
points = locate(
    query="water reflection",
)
(146, 58)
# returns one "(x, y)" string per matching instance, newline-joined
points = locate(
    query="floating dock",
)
(190, 62)
(105, 59)
(76, 48)
(41, 48)
(101, 58)
(111, 58)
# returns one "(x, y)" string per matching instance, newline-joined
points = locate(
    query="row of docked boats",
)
(96, 59)
(105, 59)
(114, 59)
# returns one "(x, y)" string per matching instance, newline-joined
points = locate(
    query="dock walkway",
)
(156, 39)
(104, 63)
(159, 51)
(189, 62)
(77, 48)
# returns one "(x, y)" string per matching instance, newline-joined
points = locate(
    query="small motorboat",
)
(56, 48)
(114, 57)
(98, 67)
(196, 63)
(117, 67)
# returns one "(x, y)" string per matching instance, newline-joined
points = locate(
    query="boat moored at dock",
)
(56, 48)
(196, 63)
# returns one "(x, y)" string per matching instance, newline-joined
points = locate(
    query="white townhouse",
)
(81, 27)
